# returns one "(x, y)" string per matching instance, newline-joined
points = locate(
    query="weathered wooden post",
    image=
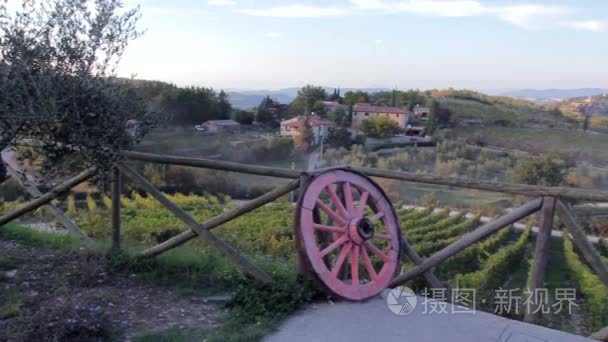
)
(305, 179)
(541, 253)
(116, 194)
(579, 237)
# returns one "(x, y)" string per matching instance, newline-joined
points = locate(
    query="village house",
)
(364, 111)
(332, 106)
(319, 126)
(217, 126)
(421, 113)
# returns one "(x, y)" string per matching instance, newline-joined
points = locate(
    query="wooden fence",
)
(546, 200)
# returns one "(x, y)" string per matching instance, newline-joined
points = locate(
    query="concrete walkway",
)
(373, 321)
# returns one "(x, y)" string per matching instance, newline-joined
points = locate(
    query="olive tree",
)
(58, 87)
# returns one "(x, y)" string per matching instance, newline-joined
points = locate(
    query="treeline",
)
(185, 106)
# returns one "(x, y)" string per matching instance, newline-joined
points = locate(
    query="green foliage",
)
(380, 127)
(223, 105)
(439, 225)
(358, 96)
(397, 98)
(425, 220)
(446, 233)
(586, 123)
(39, 239)
(471, 258)
(429, 200)
(244, 117)
(340, 117)
(339, 137)
(433, 121)
(12, 301)
(549, 171)
(428, 247)
(592, 288)
(254, 301)
(194, 105)
(58, 86)
(496, 266)
(270, 112)
(307, 101)
(304, 139)
(71, 203)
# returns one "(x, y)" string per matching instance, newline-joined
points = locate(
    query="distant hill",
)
(252, 98)
(543, 95)
(586, 105)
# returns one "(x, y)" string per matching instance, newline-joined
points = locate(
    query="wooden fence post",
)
(116, 194)
(305, 179)
(579, 237)
(541, 254)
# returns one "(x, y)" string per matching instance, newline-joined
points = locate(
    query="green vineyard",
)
(501, 261)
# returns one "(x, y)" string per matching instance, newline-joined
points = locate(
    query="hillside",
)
(586, 105)
(553, 94)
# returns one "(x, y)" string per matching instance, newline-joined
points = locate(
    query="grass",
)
(585, 146)
(254, 311)
(39, 239)
(229, 331)
(12, 300)
(462, 198)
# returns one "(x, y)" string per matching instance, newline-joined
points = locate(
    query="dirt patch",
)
(66, 295)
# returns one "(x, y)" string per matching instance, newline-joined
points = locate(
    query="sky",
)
(425, 44)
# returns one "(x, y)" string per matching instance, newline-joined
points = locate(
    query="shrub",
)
(380, 127)
(592, 288)
(496, 266)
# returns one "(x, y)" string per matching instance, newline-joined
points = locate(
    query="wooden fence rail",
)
(49, 196)
(548, 200)
(514, 189)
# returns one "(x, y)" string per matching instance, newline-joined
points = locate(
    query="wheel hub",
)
(360, 230)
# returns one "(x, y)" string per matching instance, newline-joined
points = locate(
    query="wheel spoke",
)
(334, 216)
(336, 201)
(372, 248)
(354, 265)
(382, 236)
(376, 217)
(348, 197)
(341, 257)
(330, 229)
(363, 203)
(334, 245)
(368, 265)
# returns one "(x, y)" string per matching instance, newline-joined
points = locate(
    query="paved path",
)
(373, 321)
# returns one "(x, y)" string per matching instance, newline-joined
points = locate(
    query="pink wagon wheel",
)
(347, 234)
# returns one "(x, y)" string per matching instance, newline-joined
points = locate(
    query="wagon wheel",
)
(347, 234)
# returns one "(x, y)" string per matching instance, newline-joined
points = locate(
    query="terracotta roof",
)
(366, 107)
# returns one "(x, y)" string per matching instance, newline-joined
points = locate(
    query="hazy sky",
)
(423, 44)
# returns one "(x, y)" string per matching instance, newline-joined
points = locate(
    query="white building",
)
(215, 126)
(364, 111)
(319, 126)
